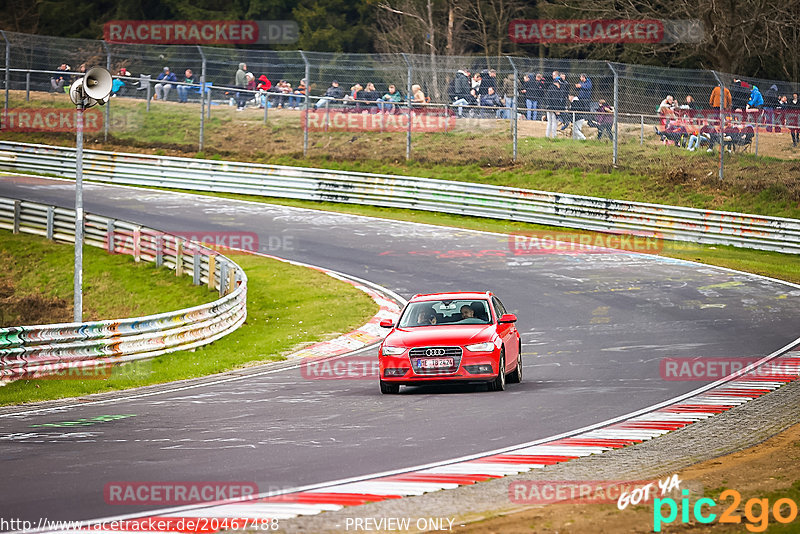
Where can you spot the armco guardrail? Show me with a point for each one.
(75, 348)
(556, 209)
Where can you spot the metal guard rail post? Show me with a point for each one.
(481, 200)
(33, 351)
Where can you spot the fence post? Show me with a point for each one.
(27, 86)
(149, 90)
(178, 257)
(202, 98)
(408, 99)
(641, 134)
(223, 277)
(50, 222)
(721, 125)
(212, 271)
(8, 73)
(15, 224)
(514, 109)
(159, 243)
(196, 267)
(308, 101)
(756, 152)
(137, 243)
(110, 236)
(108, 103)
(616, 113)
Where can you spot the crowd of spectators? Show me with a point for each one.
(562, 103)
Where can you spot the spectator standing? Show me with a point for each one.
(793, 118)
(526, 93)
(263, 86)
(770, 103)
(553, 102)
(163, 86)
(183, 90)
(603, 120)
(740, 94)
(580, 118)
(584, 87)
(461, 88)
(57, 81)
(508, 95)
(714, 99)
(754, 105)
(488, 79)
(240, 82)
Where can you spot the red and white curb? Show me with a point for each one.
(741, 387)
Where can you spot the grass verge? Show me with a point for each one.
(284, 303)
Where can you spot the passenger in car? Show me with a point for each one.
(425, 317)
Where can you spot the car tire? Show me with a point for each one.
(499, 383)
(388, 388)
(516, 375)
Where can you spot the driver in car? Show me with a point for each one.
(426, 316)
(467, 312)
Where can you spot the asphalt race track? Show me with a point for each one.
(594, 326)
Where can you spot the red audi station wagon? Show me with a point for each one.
(451, 337)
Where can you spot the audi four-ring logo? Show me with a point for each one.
(434, 352)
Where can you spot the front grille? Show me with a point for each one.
(424, 353)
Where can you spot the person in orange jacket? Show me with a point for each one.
(713, 100)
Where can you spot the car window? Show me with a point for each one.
(446, 312)
(499, 309)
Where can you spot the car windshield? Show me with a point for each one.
(446, 312)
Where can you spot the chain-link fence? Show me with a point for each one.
(444, 109)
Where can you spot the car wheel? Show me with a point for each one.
(499, 383)
(389, 388)
(516, 375)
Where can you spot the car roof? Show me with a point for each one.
(464, 295)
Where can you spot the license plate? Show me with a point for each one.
(435, 363)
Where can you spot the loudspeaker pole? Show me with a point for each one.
(78, 278)
(93, 88)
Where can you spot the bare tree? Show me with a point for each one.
(487, 24)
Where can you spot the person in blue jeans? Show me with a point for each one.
(183, 90)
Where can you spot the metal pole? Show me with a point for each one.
(27, 86)
(756, 153)
(721, 125)
(308, 102)
(514, 109)
(78, 275)
(108, 104)
(202, 98)
(266, 107)
(616, 113)
(8, 73)
(408, 98)
(641, 134)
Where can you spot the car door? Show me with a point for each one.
(508, 333)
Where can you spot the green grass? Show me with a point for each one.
(37, 277)
(285, 307)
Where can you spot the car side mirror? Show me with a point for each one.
(508, 318)
(387, 323)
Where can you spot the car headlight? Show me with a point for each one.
(488, 346)
(392, 351)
